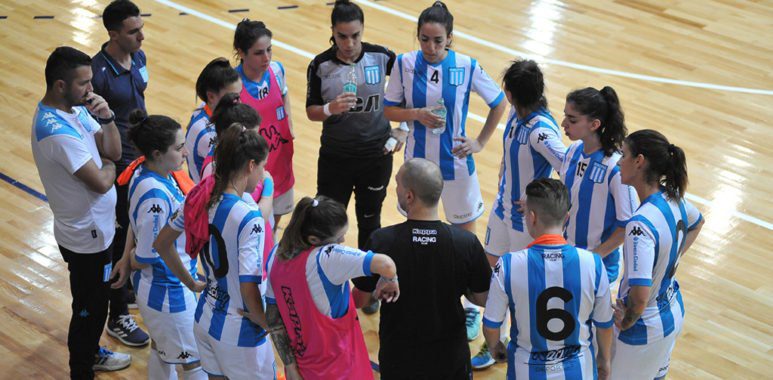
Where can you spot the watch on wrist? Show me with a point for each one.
(107, 120)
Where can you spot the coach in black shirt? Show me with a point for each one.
(423, 334)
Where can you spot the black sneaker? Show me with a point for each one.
(126, 330)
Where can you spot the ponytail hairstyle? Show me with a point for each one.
(230, 110)
(320, 216)
(524, 81)
(217, 75)
(235, 148)
(345, 11)
(247, 32)
(666, 162)
(151, 133)
(437, 13)
(604, 106)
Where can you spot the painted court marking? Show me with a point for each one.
(577, 66)
(303, 53)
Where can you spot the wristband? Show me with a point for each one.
(108, 120)
(268, 187)
(326, 109)
(393, 279)
(404, 127)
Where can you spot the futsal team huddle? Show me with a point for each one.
(141, 203)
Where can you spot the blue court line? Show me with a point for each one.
(24, 187)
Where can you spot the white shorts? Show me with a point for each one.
(461, 198)
(579, 368)
(234, 362)
(645, 362)
(501, 238)
(284, 204)
(172, 332)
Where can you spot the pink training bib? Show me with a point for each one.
(325, 348)
(275, 128)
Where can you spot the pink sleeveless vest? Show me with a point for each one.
(275, 128)
(324, 348)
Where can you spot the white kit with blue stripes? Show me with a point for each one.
(553, 293)
(654, 242)
(232, 256)
(416, 83)
(153, 200)
(199, 139)
(532, 149)
(600, 202)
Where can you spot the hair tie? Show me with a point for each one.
(671, 149)
(314, 203)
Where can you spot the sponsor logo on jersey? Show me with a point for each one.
(256, 229)
(424, 236)
(155, 209)
(372, 75)
(273, 137)
(299, 347)
(456, 76)
(557, 356)
(636, 231)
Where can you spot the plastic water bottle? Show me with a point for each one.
(441, 111)
(350, 82)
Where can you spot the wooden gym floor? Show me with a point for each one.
(694, 70)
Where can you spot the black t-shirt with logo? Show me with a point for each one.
(423, 334)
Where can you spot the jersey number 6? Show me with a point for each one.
(544, 315)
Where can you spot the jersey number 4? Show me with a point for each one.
(544, 315)
(435, 78)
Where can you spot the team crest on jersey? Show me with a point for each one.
(522, 134)
(280, 112)
(372, 75)
(597, 172)
(455, 76)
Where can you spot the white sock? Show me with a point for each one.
(158, 370)
(195, 374)
(469, 305)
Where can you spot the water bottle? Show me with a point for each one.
(350, 82)
(441, 111)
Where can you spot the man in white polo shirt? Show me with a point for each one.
(73, 129)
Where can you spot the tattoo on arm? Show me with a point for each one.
(279, 335)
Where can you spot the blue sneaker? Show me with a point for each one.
(483, 358)
(473, 323)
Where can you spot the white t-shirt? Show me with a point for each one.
(84, 221)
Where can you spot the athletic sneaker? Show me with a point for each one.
(473, 322)
(106, 360)
(483, 358)
(126, 330)
(372, 308)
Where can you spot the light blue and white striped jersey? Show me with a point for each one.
(153, 200)
(532, 149)
(600, 202)
(328, 271)
(415, 83)
(654, 242)
(199, 139)
(553, 293)
(233, 256)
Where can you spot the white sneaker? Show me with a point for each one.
(106, 360)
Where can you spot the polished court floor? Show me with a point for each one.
(695, 70)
